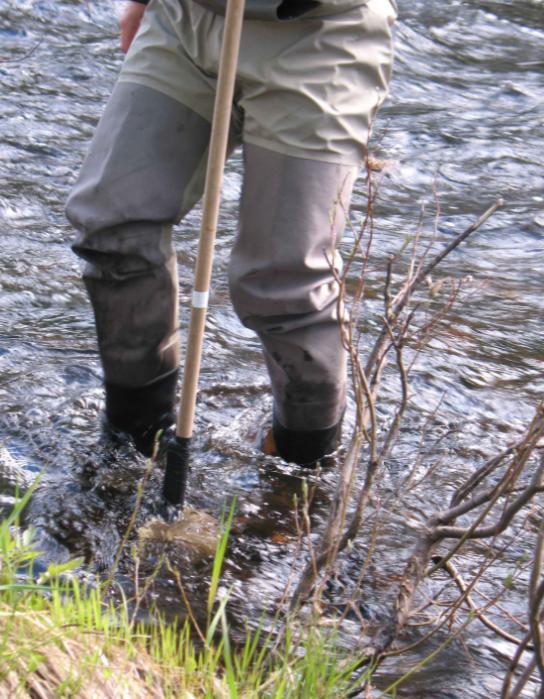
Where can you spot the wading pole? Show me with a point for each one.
(177, 455)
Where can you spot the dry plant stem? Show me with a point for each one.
(136, 578)
(505, 613)
(512, 473)
(416, 567)
(376, 659)
(187, 603)
(329, 542)
(364, 568)
(26, 55)
(387, 287)
(141, 593)
(406, 292)
(430, 243)
(524, 499)
(308, 533)
(455, 575)
(424, 334)
(455, 243)
(352, 257)
(456, 606)
(481, 474)
(455, 634)
(296, 553)
(505, 693)
(409, 481)
(133, 516)
(525, 677)
(499, 527)
(535, 616)
(339, 531)
(469, 505)
(490, 603)
(415, 243)
(536, 593)
(366, 411)
(395, 425)
(373, 461)
(473, 532)
(457, 507)
(333, 541)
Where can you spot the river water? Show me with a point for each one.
(465, 117)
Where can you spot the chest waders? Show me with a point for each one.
(305, 94)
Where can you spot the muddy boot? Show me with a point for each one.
(142, 411)
(307, 448)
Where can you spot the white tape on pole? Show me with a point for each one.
(200, 299)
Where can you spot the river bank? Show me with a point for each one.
(64, 636)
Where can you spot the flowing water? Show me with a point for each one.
(465, 118)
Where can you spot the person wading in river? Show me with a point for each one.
(311, 76)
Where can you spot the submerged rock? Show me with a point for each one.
(195, 531)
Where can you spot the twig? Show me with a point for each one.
(536, 596)
(406, 293)
(26, 55)
(450, 568)
(525, 677)
(460, 238)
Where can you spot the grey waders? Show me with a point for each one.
(307, 91)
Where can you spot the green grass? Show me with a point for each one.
(60, 638)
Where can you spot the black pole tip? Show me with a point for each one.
(176, 472)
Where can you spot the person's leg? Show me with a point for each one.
(144, 171)
(283, 286)
(127, 197)
(311, 89)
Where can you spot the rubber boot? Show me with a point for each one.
(142, 411)
(303, 447)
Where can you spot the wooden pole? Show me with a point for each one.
(212, 192)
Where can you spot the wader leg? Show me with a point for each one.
(293, 213)
(144, 170)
